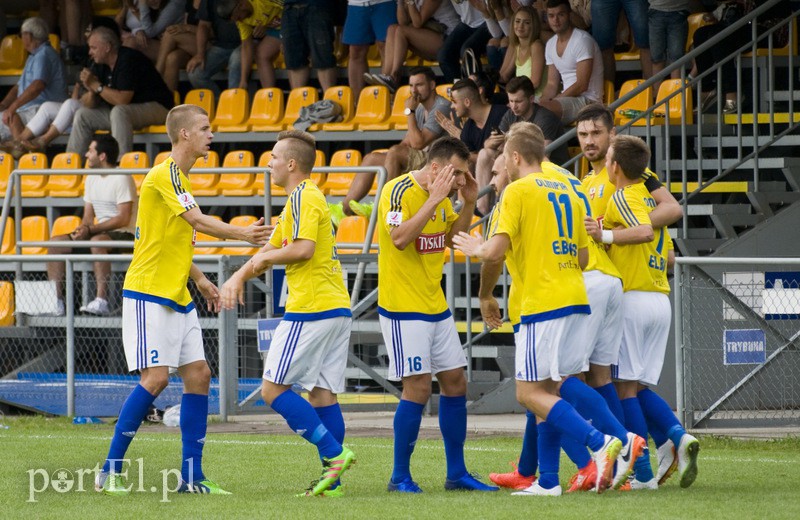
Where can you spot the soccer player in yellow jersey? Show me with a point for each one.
(595, 129)
(310, 345)
(541, 228)
(416, 221)
(160, 329)
(645, 308)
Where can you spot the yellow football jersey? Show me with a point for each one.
(409, 281)
(643, 266)
(164, 241)
(514, 291)
(543, 218)
(264, 12)
(316, 287)
(599, 189)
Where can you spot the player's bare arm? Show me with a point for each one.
(438, 190)
(256, 233)
(583, 257)
(490, 309)
(620, 236)
(206, 288)
(668, 210)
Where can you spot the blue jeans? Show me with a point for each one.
(668, 33)
(216, 60)
(463, 37)
(605, 14)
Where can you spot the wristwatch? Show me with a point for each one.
(408, 111)
(99, 89)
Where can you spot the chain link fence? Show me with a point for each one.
(737, 336)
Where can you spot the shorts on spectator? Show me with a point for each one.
(416, 159)
(307, 31)
(570, 106)
(668, 33)
(367, 24)
(25, 114)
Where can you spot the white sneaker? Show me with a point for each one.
(98, 306)
(536, 490)
(667, 461)
(687, 460)
(637, 485)
(633, 449)
(604, 459)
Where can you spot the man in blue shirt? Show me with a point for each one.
(42, 80)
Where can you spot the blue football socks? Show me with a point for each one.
(303, 419)
(567, 421)
(634, 421)
(549, 453)
(331, 417)
(407, 419)
(609, 393)
(657, 411)
(194, 423)
(453, 424)
(591, 405)
(529, 456)
(130, 417)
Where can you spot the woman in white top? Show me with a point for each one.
(525, 55)
(422, 26)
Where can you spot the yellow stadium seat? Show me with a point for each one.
(298, 98)
(6, 165)
(339, 183)
(344, 97)
(9, 238)
(202, 97)
(233, 109)
(675, 104)
(36, 229)
(205, 184)
(353, 230)
(695, 21)
(65, 225)
(641, 102)
(6, 304)
(202, 237)
(55, 42)
(608, 92)
(242, 221)
(267, 109)
(397, 120)
(135, 160)
(374, 56)
(373, 107)
(33, 185)
(105, 7)
(632, 54)
(66, 185)
(161, 157)
(444, 90)
(12, 55)
(778, 51)
(238, 184)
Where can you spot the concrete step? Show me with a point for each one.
(717, 209)
(765, 163)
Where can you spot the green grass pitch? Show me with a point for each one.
(737, 479)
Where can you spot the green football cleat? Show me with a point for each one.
(203, 487)
(337, 213)
(337, 492)
(333, 469)
(111, 484)
(362, 209)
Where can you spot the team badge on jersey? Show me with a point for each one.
(186, 200)
(394, 218)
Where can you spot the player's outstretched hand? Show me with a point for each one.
(468, 244)
(593, 229)
(490, 311)
(469, 192)
(210, 293)
(442, 185)
(232, 292)
(257, 233)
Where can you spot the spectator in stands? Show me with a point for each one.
(481, 117)
(499, 24)
(307, 32)
(73, 16)
(471, 33)
(257, 21)
(605, 14)
(668, 28)
(218, 42)
(178, 45)
(367, 23)
(154, 17)
(525, 56)
(42, 80)
(422, 26)
(574, 59)
(487, 87)
(125, 92)
(522, 106)
(109, 213)
(410, 154)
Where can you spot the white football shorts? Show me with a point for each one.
(155, 335)
(646, 317)
(602, 332)
(421, 347)
(550, 349)
(310, 353)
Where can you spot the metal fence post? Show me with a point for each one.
(70, 298)
(679, 395)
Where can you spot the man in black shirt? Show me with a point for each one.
(125, 92)
(224, 50)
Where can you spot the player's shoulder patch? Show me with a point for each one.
(394, 218)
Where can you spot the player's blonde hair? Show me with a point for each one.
(300, 146)
(631, 154)
(182, 116)
(527, 140)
